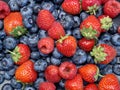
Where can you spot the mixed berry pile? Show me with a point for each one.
(59, 45)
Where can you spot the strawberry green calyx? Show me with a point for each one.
(15, 54)
(97, 74)
(98, 54)
(62, 38)
(89, 33)
(106, 23)
(92, 9)
(18, 31)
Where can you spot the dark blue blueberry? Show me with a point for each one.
(26, 11)
(118, 50)
(90, 59)
(62, 14)
(55, 13)
(15, 84)
(57, 1)
(7, 86)
(1, 56)
(41, 74)
(76, 21)
(36, 8)
(116, 69)
(24, 39)
(48, 6)
(31, 3)
(62, 83)
(68, 32)
(48, 60)
(107, 70)
(114, 61)
(113, 29)
(9, 43)
(1, 24)
(7, 76)
(38, 81)
(29, 88)
(56, 54)
(1, 78)
(43, 55)
(13, 5)
(42, 33)
(33, 40)
(34, 29)
(2, 34)
(55, 61)
(7, 63)
(99, 11)
(1, 45)
(118, 60)
(115, 39)
(28, 21)
(40, 65)
(101, 66)
(79, 57)
(83, 15)
(35, 55)
(105, 38)
(22, 3)
(76, 33)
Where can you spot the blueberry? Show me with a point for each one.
(118, 50)
(34, 29)
(7, 86)
(90, 59)
(48, 59)
(107, 69)
(41, 74)
(7, 76)
(79, 57)
(76, 21)
(2, 56)
(2, 34)
(22, 3)
(68, 32)
(99, 11)
(56, 54)
(24, 39)
(118, 60)
(31, 3)
(83, 15)
(105, 38)
(38, 81)
(55, 61)
(29, 88)
(40, 65)
(15, 84)
(62, 14)
(1, 78)
(35, 55)
(62, 83)
(9, 43)
(115, 39)
(42, 33)
(11, 72)
(13, 5)
(36, 8)
(101, 66)
(116, 69)
(48, 6)
(26, 11)
(76, 33)
(113, 29)
(28, 21)
(57, 1)
(114, 61)
(55, 13)
(43, 55)
(1, 24)
(1, 46)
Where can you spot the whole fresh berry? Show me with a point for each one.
(91, 87)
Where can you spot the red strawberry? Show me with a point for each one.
(20, 54)
(91, 6)
(56, 31)
(103, 53)
(91, 87)
(86, 44)
(47, 86)
(45, 19)
(106, 22)
(112, 8)
(89, 72)
(67, 70)
(104, 1)
(90, 27)
(109, 82)
(74, 84)
(71, 6)
(4, 9)
(26, 73)
(46, 45)
(67, 45)
(52, 74)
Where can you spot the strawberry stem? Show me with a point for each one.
(62, 38)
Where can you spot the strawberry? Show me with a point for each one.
(89, 72)
(71, 6)
(90, 27)
(106, 22)
(46, 45)
(45, 19)
(4, 9)
(104, 1)
(25, 73)
(67, 45)
(103, 53)
(91, 87)
(20, 54)
(13, 24)
(74, 84)
(56, 31)
(90, 6)
(112, 8)
(109, 82)
(86, 44)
